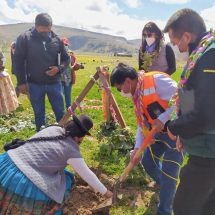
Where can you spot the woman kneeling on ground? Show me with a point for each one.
(33, 179)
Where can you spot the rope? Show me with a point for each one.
(107, 89)
(71, 111)
(79, 105)
(113, 113)
(165, 160)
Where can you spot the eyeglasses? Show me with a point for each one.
(147, 35)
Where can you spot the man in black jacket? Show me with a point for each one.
(40, 57)
(195, 125)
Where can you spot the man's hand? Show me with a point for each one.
(77, 66)
(179, 145)
(157, 125)
(53, 70)
(134, 160)
(23, 88)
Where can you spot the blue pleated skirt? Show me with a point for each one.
(18, 195)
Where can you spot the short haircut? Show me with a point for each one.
(43, 19)
(185, 20)
(121, 72)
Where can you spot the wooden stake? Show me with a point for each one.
(80, 98)
(111, 98)
(104, 79)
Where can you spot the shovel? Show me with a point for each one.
(147, 141)
(112, 201)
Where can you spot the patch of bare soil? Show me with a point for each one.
(83, 200)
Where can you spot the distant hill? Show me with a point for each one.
(81, 40)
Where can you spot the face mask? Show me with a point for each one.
(150, 40)
(45, 35)
(3, 61)
(128, 95)
(2, 64)
(180, 56)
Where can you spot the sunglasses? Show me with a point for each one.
(148, 35)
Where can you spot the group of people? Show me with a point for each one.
(33, 179)
(182, 116)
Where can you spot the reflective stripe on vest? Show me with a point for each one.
(150, 95)
(149, 91)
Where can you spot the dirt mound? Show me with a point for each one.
(83, 200)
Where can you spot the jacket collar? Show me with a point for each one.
(192, 46)
(35, 33)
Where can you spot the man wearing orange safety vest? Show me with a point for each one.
(151, 93)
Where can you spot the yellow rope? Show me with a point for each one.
(164, 160)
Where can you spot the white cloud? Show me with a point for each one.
(103, 16)
(133, 3)
(172, 1)
(209, 17)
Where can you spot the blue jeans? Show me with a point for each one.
(67, 90)
(37, 98)
(167, 185)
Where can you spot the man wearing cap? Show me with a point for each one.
(40, 57)
(32, 175)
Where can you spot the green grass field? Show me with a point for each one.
(20, 124)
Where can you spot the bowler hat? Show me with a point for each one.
(84, 123)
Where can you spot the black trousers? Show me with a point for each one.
(196, 192)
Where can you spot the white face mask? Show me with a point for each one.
(4, 61)
(150, 40)
(180, 56)
(128, 95)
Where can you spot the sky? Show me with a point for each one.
(124, 18)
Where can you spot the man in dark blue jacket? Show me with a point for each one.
(195, 125)
(40, 57)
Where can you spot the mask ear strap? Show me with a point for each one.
(130, 87)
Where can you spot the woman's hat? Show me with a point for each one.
(84, 123)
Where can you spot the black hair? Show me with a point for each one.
(71, 129)
(151, 27)
(121, 72)
(17, 142)
(185, 20)
(43, 19)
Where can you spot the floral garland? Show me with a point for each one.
(195, 56)
(205, 42)
(137, 101)
(148, 58)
